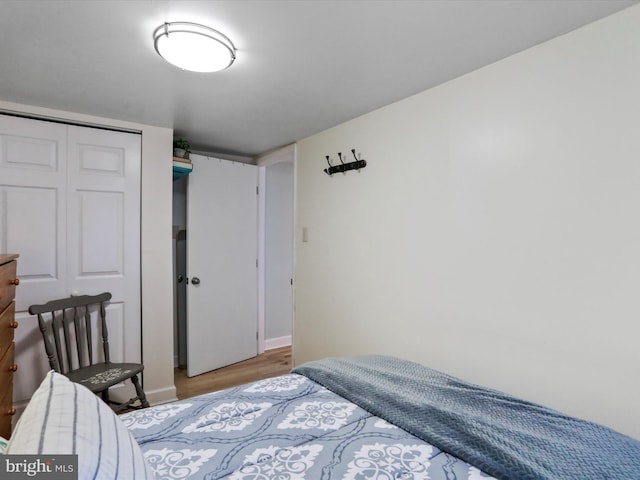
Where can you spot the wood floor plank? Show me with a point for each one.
(269, 364)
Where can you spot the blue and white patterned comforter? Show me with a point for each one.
(287, 427)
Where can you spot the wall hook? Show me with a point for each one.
(342, 162)
(353, 150)
(326, 170)
(345, 167)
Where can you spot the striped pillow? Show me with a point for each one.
(63, 417)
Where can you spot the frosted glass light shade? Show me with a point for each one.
(194, 47)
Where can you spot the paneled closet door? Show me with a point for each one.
(70, 206)
(103, 229)
(33, 179)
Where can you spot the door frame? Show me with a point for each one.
(284, 154)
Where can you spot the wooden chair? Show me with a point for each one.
(68, 340)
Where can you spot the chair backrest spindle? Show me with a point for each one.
(105, 333)
(75, 319)
(56, 328)
(87, 327)
(52, 355)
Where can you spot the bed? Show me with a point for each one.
(369, 417)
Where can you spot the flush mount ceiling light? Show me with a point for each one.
(194, 47)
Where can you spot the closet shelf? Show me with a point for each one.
(181, 167)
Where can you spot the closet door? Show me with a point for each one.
(70, 206)
(33, 179)
(103, 229)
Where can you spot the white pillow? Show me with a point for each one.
(63, 417)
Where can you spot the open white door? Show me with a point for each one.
(222, 248)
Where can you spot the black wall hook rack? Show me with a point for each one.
(345, 167)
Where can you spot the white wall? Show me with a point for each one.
(494, 234)
(157, 268)
(157, 298)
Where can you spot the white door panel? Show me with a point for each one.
(104, 183)
(101, 233)
(32, 206)
(38, 148)
(32, 215)
(222, 245)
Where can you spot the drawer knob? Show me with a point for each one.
(13, 368)
(15, 281)
(13, 324)
(11, 411)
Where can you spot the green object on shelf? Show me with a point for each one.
(181, 170)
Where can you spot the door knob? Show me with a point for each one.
(180, 278)
(195, 281)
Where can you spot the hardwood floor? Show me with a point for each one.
(269, 364)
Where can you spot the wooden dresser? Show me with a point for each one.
(8, 324)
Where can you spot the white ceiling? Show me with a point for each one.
(302, 66)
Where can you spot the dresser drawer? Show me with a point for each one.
(7, 326)
(7, 368)
(6, 417)
(6, 391)
(8, 282)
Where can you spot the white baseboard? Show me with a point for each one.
(279, 342)
(162, 395)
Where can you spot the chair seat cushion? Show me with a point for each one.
(102, 376)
